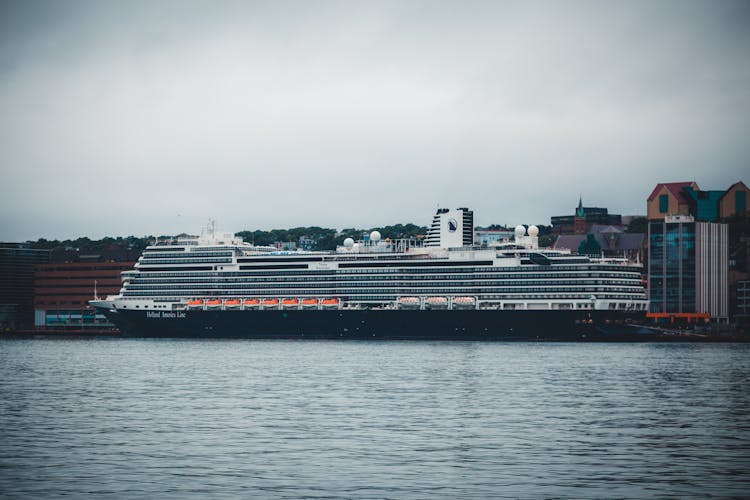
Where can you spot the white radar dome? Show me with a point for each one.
(533, 231)
(520, 230)
(375, 236)
(348, 243)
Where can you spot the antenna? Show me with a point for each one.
(96, 297)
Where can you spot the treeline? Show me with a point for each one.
(119, 249)
(129, 248)
(326, 238)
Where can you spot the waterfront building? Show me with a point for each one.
(308, 244)
(669, 198)
(62, 293)
(741, 296)
(687, 269)
(17, 263)
(686, 198)
(706, 231)
(734, 201)
(582, 220)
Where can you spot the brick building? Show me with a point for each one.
(62, 292)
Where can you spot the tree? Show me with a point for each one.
(589, 246)
(637, 225)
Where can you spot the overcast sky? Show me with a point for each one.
(121, 118)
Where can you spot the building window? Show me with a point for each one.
(740, 200)
(663, 203)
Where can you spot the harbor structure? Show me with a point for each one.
(62, 292)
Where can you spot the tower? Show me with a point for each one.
(579, 221)
(451, 228)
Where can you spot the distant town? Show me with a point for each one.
(693, 245)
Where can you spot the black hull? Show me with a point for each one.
(385, 325)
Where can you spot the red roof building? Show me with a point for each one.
(669, 199)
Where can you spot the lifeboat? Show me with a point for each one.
(436, 302)
(464, 302)
(330, 303)
(232, 303)
(408, 302)
(309, 303)
(195, 304)
(213, 303)
(251, 303)
(270, 302)
(290, 303)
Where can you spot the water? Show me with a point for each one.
(182, 419)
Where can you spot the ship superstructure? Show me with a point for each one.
(218, 273)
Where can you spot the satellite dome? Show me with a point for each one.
(348, 243)
(520, 230)
(355, 246)
(533, 231)
(375, 236)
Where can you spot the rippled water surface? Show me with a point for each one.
(180, 419)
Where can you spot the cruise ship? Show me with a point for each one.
(444, 287)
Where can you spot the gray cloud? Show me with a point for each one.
(115, 117)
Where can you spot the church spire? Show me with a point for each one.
(579, 210)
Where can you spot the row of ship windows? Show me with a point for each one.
(373, 281)
(351, 295)
(185, 255)
(400, 290)
(192, 249)
(524, 284)
(208, 260)
(306, 276)
(397, 270)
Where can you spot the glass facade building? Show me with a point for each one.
(687, 267)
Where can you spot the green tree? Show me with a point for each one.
(589, 246)
(637, 225)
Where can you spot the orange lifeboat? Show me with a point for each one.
(290, 303)
(464, 302)
(330, 303)
(232, 303)
(309, 303)
(408, 302)
(252, 303)
(196, 303)
(436, 302)
(270, 302)
(213, 303)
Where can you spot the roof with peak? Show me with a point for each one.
(740, 183)
(675, 188)
(601, 228)
(623, 241)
